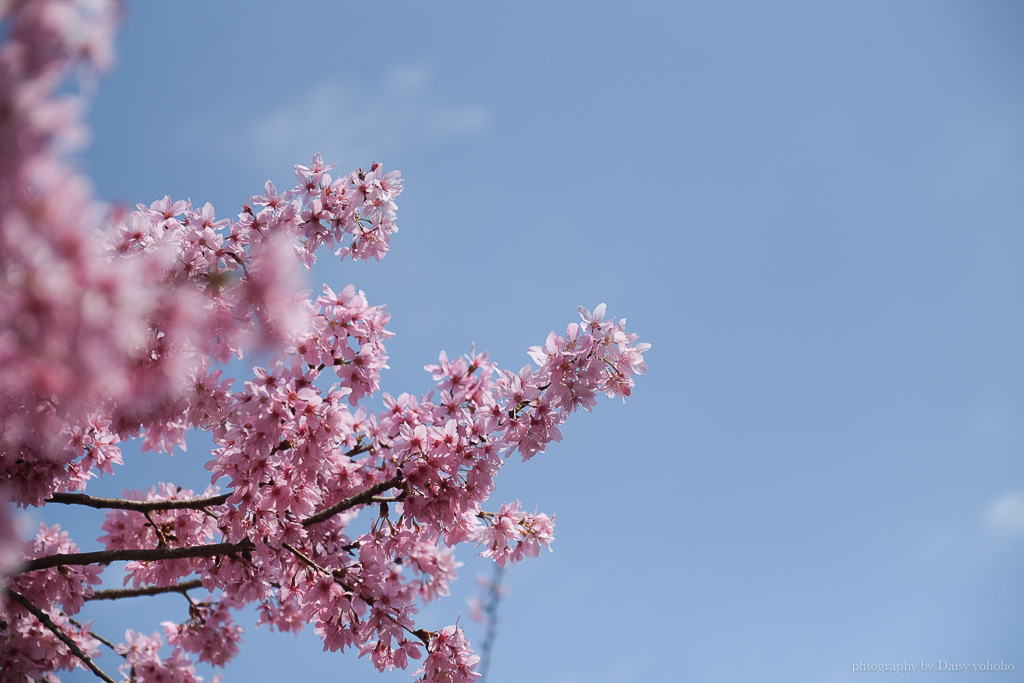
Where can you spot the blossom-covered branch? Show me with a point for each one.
(68, 642)
(134, 555)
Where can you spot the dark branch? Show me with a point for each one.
(134, 554)
(159, 554)
(137, 505)
(360, 498)
(361, 448)
(118, 593)
(57, 631)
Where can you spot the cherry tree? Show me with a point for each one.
(329, 506)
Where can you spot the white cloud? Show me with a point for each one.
(447, 121)
(411, 78)
(355, 125)
(1005, 515)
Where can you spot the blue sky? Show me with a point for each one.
(811, 210)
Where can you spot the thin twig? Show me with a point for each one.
(305, 559)
(159, 534)
(494, 591)
(57, 631)
(118, 593)
(92, 634)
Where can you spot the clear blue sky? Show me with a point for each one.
(812, 210)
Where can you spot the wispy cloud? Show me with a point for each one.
(355, 124)
(982, 536)
(1005, 515)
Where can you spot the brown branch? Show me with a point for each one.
(118, 593)
(57, 631)
(350, 502)
(137, 505)
(388, 499)
(134, 554)
(361, 448)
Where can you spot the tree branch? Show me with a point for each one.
(388, 499)
(134, 554)
(118, 593)
(137, 505)
(57, 631)
(159, 554)
(358, 499)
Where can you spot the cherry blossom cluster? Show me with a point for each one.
(210, 633)
(143, 662)
(301, 460)
(322, 509)
(63, 311)
(450, 658)
(511, 534)
(28, 649)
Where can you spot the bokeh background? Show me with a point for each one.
(812, 210)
